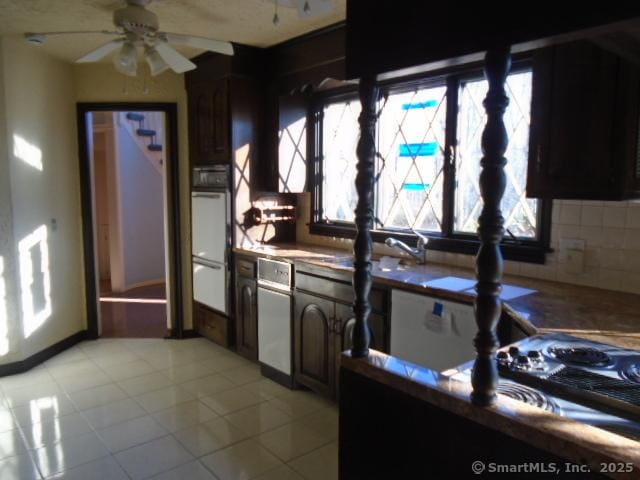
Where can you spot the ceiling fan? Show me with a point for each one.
(138, 28)
(307, 9)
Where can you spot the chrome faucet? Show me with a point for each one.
(419, 253)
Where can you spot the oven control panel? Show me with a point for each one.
(275, 274)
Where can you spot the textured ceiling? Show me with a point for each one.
(243, 21)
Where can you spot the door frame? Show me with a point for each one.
(172, 186)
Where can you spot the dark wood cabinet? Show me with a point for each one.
(343, 334)
(211, 324)
(225, 96)
(314, 364)
(246, 318)
(209, 122)
(584, 124)
(323, 330)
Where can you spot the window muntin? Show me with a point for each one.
(520, 213)
(527, 219)
(340, 132)
(410, 167)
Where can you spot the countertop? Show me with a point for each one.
(601, 315)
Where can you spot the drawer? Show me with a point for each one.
(341, 292)
(246, 268)
(211, 325)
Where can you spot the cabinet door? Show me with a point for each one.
(572, 121)
(343, 336)
(314, 360)
(246, 318)
(209, 123)
(344, 323)
(220, 122)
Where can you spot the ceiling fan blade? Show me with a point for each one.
(178, 62)
(101, 52)
(203, 43)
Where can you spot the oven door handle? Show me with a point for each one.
(206, 263)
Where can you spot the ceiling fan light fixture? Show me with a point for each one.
(156, 64)
(126, 61)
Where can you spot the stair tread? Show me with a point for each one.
(145, 132)
(154, 147)
(136, 117)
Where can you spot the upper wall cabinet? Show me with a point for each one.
(209, 122)
(225, 101)
(584, 125)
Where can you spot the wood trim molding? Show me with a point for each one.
(43, 355)
(174, 279)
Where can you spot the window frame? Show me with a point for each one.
(524, 250)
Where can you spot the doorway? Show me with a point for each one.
(129, 177)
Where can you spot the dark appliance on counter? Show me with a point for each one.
(590, 382)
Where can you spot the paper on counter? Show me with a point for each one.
(454, 284)
(509, 292)
(389, 263)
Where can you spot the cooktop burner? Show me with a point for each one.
(631, 372)
(584, 356)
(528, 395)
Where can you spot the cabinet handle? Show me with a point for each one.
(337, 326)
(205, 195)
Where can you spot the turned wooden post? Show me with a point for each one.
(363, 247)
(487, 306)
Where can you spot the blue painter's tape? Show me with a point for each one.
(418, 149)
(427, 104)
(416, 186)
(438, 309)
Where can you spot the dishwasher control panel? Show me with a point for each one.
(275, 274)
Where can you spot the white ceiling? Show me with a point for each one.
(243, 21)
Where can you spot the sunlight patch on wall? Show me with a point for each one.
(4, 328)
(35, 281)
(27, 152)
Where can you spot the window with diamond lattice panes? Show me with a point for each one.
(340, 132)
(411, 139)
(519, 212)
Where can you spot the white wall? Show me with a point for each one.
(40, 151)
(141, 199)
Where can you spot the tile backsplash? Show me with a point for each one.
(595, 244)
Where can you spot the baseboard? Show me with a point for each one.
(43, 355)
(277, 376)
(185, 334)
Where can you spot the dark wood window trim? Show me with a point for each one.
(531, 251)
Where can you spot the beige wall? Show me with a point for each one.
(610, 231)
(102, 83)
(39, 115)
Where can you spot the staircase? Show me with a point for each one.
(146, 128)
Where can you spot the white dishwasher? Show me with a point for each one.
(274, 319)
(427, 331)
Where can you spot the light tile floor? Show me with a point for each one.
(116, 409)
